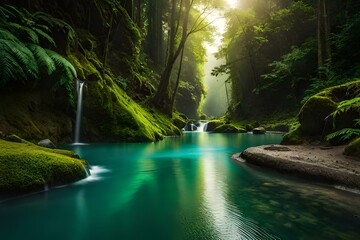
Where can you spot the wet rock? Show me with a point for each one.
(259, 130)
(46, 143)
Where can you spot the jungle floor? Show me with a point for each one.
(324, 164)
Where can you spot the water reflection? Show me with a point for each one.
(182, 188)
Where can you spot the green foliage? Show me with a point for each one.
(293, 68)
(122, 82)
(345, 134)
(345, 106)
(294, 137)
(23, 58)
(267, 55)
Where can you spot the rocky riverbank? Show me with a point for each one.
(325, 164)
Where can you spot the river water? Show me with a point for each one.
(182, 188)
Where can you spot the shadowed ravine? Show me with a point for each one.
(181, 188)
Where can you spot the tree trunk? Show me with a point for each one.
(106, 45)
(177, 79)
(162, 98)
(323, 33)
(155, 33)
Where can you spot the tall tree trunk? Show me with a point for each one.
(155, 32)
(323, 33)
(177, 79)
(162, 98)
(106, 45)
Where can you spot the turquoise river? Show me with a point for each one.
(181, 188)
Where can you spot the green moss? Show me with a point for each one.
(111, 115)
(313, 114)
(294, 137)
(26, 167)
(214, 124)
(35, 115)
(179, 120)
(228, 128)
(353, 148)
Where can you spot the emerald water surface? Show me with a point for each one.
(181, 188)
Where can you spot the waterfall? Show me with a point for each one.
(79, 87)
(202, 126)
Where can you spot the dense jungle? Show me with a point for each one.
(184, 81)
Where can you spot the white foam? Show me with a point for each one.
(347, 189)
(96, 174)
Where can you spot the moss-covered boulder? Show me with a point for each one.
(353, 148)
(313, 114)
(228, 128)
(259, 130)
(25, 167)
(214, 124)
(294, 137)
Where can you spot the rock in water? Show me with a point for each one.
(46, 143)
(259, 130)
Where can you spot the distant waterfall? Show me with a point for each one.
(79, 87)
(202, 126)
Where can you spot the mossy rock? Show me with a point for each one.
(213, 124)
(259, 130)
(178, 120)
(35, 114)
(353, 148)
(25, 167)
(228, 128)
(294, 137)
(313, 114)
(110, 115)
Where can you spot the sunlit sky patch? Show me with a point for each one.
(232, 3)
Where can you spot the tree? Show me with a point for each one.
(163, 98)
(155, 32)
(323, 33)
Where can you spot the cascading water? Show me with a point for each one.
(79, 87)
(202, 126)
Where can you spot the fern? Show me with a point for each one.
(66, 71)
(43, 59)
(58, 24)
(22, 55)
(9, 68)
(343, 134)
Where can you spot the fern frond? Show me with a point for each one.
(45, 36)
(59, 24)
(344, 134)
(345, 106)
(62, 64)
(43, 59)
(357, 122)
(10, 69)
(23, 56)
(23, 32)
(7, 35)
(67, 74)
(7, 13)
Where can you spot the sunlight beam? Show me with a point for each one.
(232, 3)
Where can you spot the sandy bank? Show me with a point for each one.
(319, 163)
